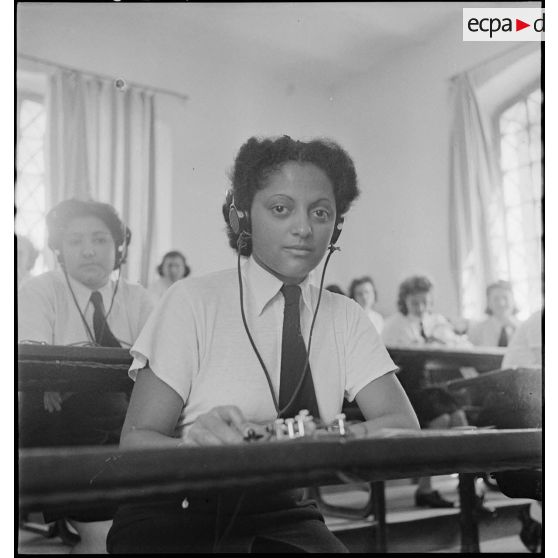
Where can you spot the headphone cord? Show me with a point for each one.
(241, 244)
(81, 315)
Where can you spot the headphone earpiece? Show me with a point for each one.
(337, 230)
(238, 219)
(122, 249)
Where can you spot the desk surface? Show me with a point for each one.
(50, 477)
(69, 368)
(481, 358)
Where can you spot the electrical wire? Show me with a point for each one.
(241, 243)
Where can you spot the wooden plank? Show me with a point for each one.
(50, 477)
(482, 359)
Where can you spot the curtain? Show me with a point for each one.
(474, 198)
(101, 146)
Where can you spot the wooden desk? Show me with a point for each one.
(103, 474)
(481, 358)
(63, 368)
(420, 367)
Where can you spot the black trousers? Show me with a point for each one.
(233, 523)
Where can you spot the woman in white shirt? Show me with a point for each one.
(416, 325)
(497, 329)
(199, 381)
(172, 268)
(364, 292)
(80, 304)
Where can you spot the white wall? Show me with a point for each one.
(394, 121)
(396, 124)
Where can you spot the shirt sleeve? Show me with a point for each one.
(36, 311)
(168, 343)
(367, 357)
(525, 348)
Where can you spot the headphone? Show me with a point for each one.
(68, 209)
(239, 220)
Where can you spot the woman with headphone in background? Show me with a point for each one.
(172, 268)
(80, 304)
(233, 349)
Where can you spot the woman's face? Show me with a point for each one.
(292, 221)
(364, 295)
(88, 250)
(500, 302)
(173, 268)
(419, 304)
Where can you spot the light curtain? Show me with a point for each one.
(101, 146)
(474, 198)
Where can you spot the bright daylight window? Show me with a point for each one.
(516, 240)
(30, 195)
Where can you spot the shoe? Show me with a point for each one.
(482, 509)
(531, 531)
(490, 483)
(432, 500)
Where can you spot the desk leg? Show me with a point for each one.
(379, 498)
(467, 516)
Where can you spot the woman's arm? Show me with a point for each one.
(384, 404)
(154, 412)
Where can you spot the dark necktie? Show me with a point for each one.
(103, 334)
(503, 339)
(422, 333)
(293, 358)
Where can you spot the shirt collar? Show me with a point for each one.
(264, 286)
(83, 293)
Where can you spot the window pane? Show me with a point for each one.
(517, 251)
(30, 198)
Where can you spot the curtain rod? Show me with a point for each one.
(491, 59)
(104, 76)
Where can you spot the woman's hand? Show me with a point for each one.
(221, 425)
(52, 401)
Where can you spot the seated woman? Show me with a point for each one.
(364, 292)
(172, 268)
(415, 325)
(80, 304)
(26, 257)
(205, 369)
(500, 324)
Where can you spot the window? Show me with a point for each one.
(516, 236)
(30, 193)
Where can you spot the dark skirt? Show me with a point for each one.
(432, 402)
(232, 523)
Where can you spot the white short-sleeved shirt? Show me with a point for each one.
(196, 343)
(47, 311)
(487, 332)
(525, 348)
(401, 331)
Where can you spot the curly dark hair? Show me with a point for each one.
(359, 281)
(412, 285)
(258, 158)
